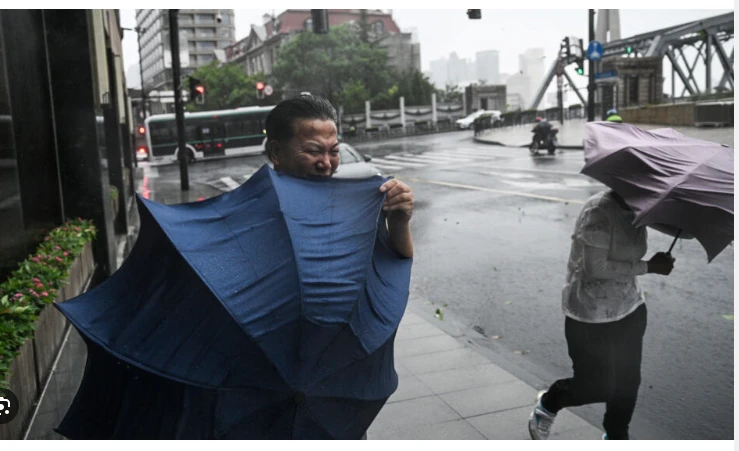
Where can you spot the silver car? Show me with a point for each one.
(352, 165)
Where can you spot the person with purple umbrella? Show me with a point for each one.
(605, 317)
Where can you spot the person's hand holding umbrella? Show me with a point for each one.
(661, 263)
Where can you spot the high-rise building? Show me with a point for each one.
(488, 66)
(438, 69)
(520, 84)
(202, 31)
(531, 64)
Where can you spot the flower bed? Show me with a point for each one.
(31, 330)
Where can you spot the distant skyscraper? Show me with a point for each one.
(438, 70)
(521, 85)
(608, 27)
(531, 64)
(488, 66)
(457, 69)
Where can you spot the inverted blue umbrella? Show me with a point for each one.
(268, 312)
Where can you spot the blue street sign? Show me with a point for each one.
(595, 50)
(601, 75)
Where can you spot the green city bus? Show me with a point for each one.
(208, 133)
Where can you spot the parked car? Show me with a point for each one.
(352, 165)
(466, 123)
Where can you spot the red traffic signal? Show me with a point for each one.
(200, 89)
(260, 85)
(142, 130)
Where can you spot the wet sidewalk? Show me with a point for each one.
(571, 134)
(450, 391)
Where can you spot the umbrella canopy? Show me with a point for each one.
(670, 180)
(266, 312)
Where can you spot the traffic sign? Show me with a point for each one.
(595, 50)
(268, 90)
(602, 75)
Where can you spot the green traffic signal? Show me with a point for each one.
(580, 71)
(628, 50)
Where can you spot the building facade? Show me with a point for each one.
(65, 130)
(258, 51)
(485, 97)
(531, 64)
(202, 32)
(488, 66)
(520, 84)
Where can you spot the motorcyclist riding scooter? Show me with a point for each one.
(544, 137)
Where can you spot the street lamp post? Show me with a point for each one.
(174, 44)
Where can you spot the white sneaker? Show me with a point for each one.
(540, 420)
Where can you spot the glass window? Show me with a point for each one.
(308, 24)
(379, 27)
(224, 33)
(205, 18)
(206, 45)
(206, 32)
(206, 58)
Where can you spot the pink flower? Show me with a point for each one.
(39, 285)
(36, 279)
(66, 253)
(47, 238)
(43, 293)
(36, 259)
(18, 295)
(57, 248)
(59, 259)
(35, 294)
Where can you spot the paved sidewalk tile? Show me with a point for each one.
(399, 416)
(442, 361)
(419, 330)
(426, 345)
(493, 398)
(464, 378)
(450, 430)
(409, 387)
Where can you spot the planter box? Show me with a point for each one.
(32, 367)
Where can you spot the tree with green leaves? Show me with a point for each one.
(450, 94)
(332, 65)
(228, 86)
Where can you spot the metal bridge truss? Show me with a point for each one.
(706, 37)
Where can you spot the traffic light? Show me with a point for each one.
(142, 130)
(320, 20)
(197, 90)
(629, 49)
(566, 46)
(260, 90)
(474, 13)
(579, 60)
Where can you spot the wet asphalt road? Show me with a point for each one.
(491, 232)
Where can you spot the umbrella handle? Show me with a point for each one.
(675, 240)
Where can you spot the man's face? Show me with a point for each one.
(313, 151)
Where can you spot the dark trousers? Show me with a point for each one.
(606, 361)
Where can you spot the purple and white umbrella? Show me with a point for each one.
(670, 180)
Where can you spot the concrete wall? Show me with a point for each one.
(680, 114)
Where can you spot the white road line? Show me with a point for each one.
(412, 163)
(387, 167)
(498, 191)
(231, 183)
(434, 159)
(461, 154)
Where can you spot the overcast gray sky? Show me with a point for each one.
(442, 31)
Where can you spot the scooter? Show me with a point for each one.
(549, 142)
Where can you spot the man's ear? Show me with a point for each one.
(273, 152)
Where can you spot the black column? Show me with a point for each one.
(115, 148)
(33, 128)
(83, 160)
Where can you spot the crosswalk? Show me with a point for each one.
(392, 164)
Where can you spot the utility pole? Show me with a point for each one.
(591, 68)
(174, 44)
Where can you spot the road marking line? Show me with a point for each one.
(452, 153)
(497, 191)
(542, 171)
(387, 167)
(231, 183)
(393, 161)
(433, 159)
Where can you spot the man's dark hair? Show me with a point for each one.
(280, 123)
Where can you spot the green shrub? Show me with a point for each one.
(35, 284)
